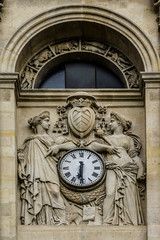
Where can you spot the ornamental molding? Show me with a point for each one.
(33, 70)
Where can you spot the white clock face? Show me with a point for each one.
(81, 168)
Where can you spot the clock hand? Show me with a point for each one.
(80, 174)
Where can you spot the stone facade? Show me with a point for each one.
(97, 29)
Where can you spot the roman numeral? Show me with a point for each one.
(81, 154)
(73, 156)
(73, 179)
(94, 174)
(68, 174)
(89, 179)
(95, 161)
(65, 168)
(89, 156)
(96, 168)
(67, 161)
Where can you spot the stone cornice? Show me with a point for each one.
(150, 76)
(151, 79)
(4, 77)
(8, 80)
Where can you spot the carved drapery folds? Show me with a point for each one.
(36, 63)
(83, 127)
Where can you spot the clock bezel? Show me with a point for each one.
(86, 187)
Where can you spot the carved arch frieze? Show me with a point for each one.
(35, 65)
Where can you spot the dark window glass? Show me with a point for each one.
(81, 75)
(107, 79)
(55, 80)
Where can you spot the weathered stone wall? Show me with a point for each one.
(16, 13)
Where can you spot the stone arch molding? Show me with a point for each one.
(17, 47)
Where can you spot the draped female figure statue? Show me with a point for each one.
(122, 202)
(40, 190)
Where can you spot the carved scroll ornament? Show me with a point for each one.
(79, 178)
(36, 63)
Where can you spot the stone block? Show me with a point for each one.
(154, 231)
(8, 149)
(154, 141)
(7, 99)
(8, 182)
(81, 232)
(31, 234)
(155, 95)
(8, 238)
(153, 216)
(6, 209)
(153, 197)
(153, 161)
(5, 226)
(5, 95)
(5, 141)
(8, 166)
(7, 120)
(4, 193)
(153, 180)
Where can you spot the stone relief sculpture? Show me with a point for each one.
(97, 162)
(36, 63)
(41, 58)
(66, 46)
(94, 46)
(133, 79)
(27, 78)
(40, 192)
(122, 202)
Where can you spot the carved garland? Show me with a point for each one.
(36, 63)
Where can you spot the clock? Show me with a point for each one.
(81, 169)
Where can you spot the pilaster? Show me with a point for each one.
(152, 108)
(8, 179)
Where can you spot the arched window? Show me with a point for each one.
(81, 75)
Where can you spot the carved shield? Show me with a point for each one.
(81, 120)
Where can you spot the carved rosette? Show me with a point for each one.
(36, 63)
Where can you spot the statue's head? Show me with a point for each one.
(120, 121)
(39, 120)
